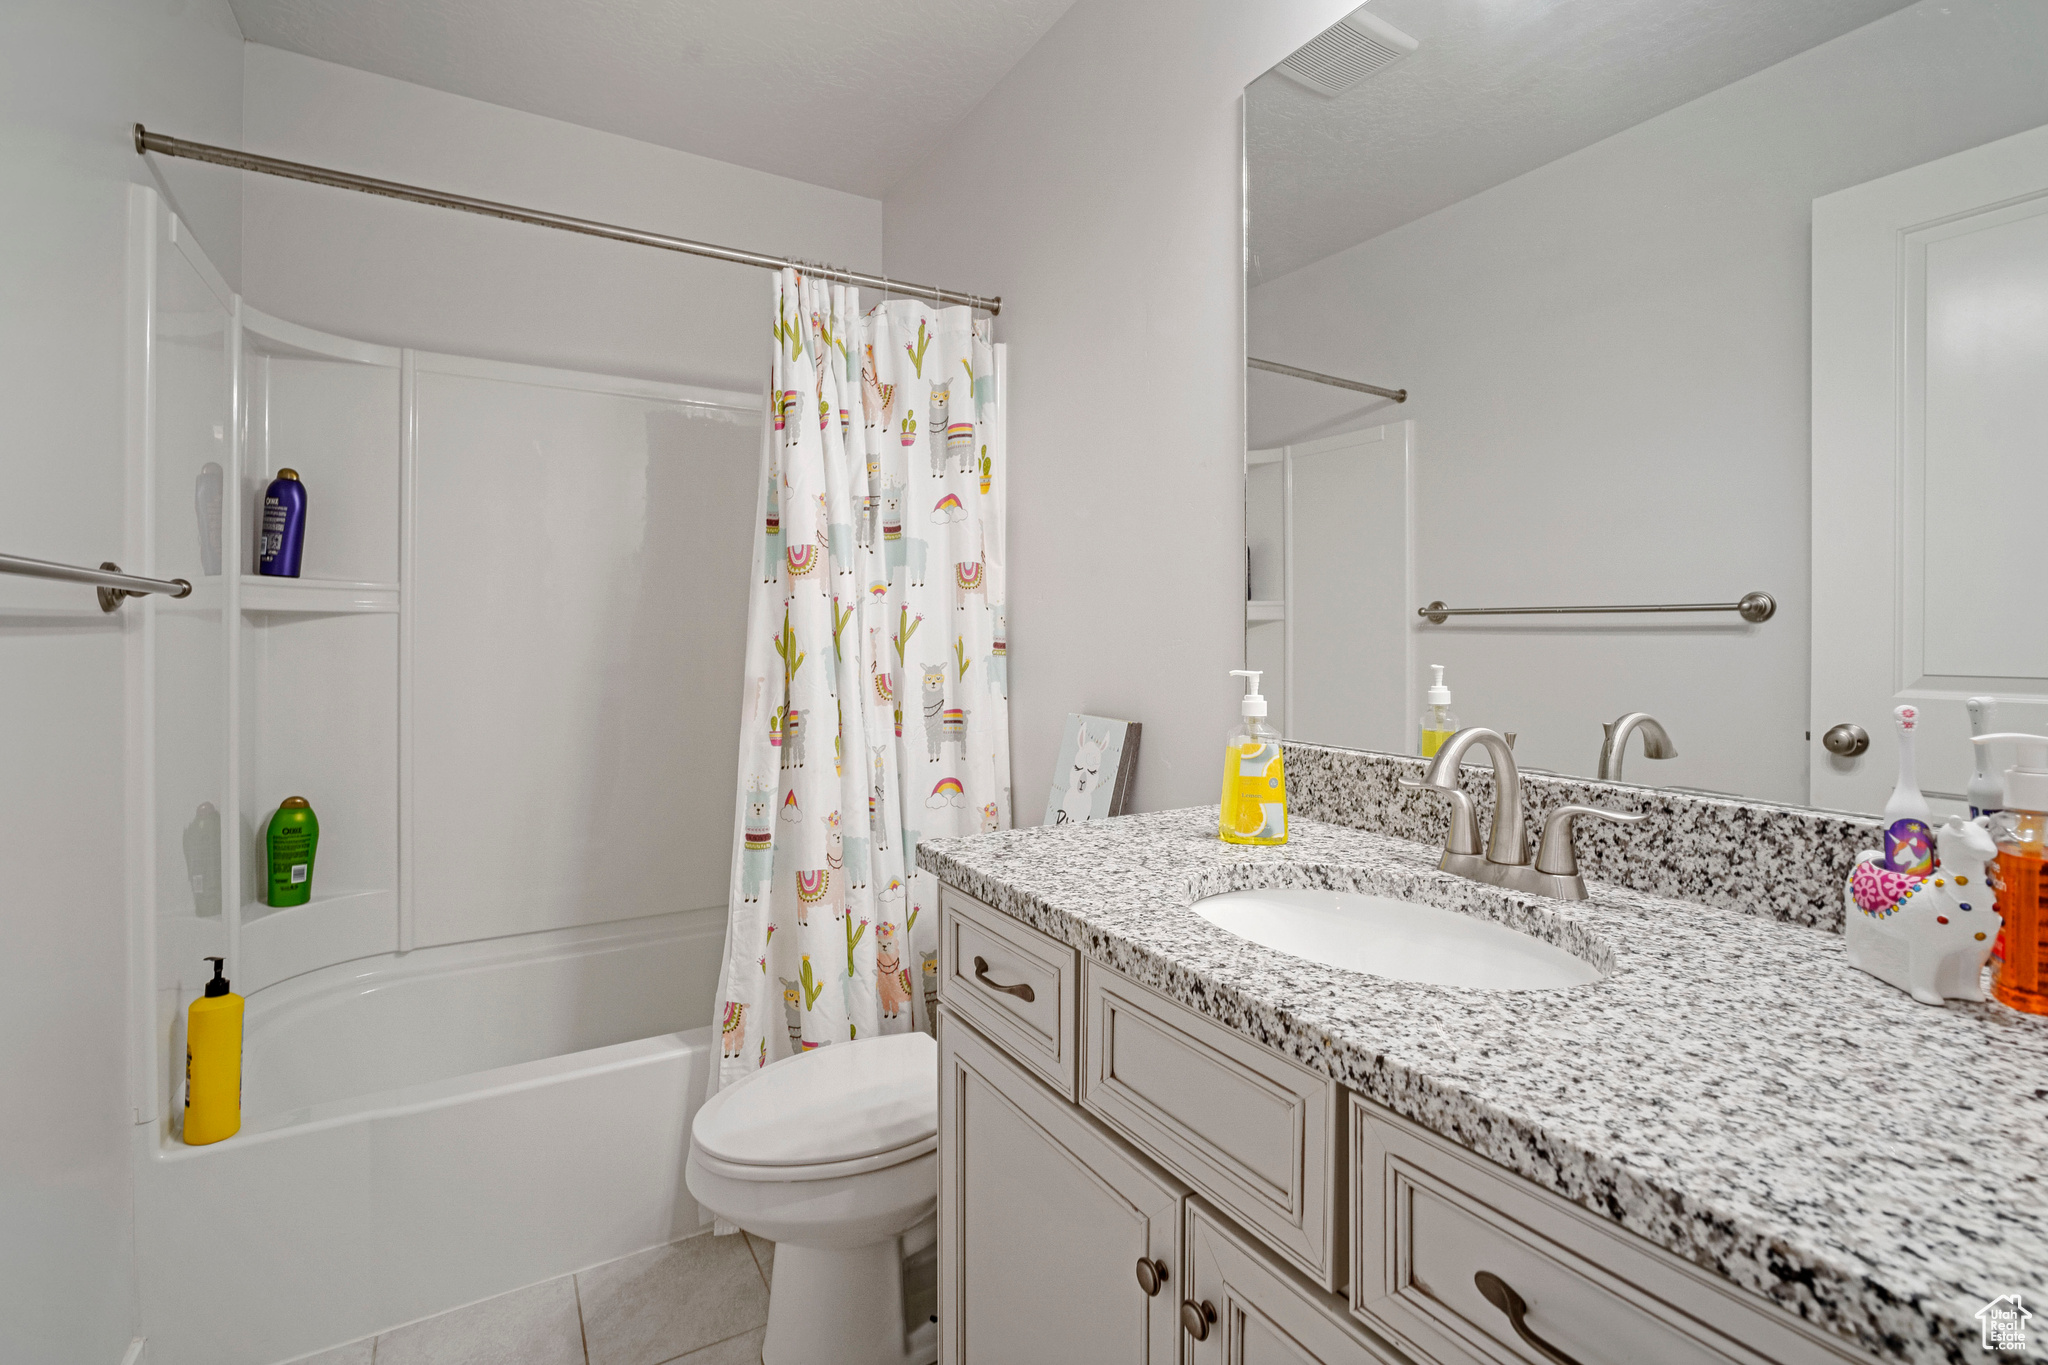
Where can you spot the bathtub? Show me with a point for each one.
(426, 1130)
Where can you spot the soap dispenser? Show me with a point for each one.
(1985, 792)
(2019, 967)
(1254, 782)
(1438, 721)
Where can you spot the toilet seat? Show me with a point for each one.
(822, 1170)
(838, 1111)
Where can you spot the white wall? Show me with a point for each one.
(74, 75)
(1608, 363)
(406, 274)
(1097, 190)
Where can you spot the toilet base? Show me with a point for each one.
(849, 1297)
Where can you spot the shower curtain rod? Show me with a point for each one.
(1275, 367)
(146, 141)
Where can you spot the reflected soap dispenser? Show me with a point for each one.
(1439, 722)
(213, 1062)
(1985, 792)
(1254, 779)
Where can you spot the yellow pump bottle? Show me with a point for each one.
(1254, 779)
(213, 1062)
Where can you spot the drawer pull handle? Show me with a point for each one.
(1196, 1317)
(1501, 1296)
(1022, 990)
(1151, 1275)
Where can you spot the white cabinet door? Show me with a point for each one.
(1252, 1311)
(1930, 359)
(1044, 1220)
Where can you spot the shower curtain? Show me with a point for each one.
(876, 706)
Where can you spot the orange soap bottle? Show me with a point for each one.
(2019, 966)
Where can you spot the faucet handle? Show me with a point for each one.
(1556, 854)
(1464, 836)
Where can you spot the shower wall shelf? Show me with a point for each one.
(1274, 610)
(317, 596)
(253, 688)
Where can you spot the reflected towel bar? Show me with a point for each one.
(114, 586)
(1275, 367)
(1754, 607)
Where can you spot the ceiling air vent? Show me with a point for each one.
(1345, 53)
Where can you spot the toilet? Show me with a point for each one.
(833, 1156)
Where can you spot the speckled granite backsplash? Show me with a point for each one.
(1785, 862)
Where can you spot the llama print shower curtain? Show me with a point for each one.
(876, 692)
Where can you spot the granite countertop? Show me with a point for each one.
(1731, 1090)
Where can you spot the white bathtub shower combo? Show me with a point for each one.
(472, 1060)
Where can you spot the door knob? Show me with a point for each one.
(1845, 740)
(1195, 1318)
(1151, 1275)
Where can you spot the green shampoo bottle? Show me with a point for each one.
(294, 838)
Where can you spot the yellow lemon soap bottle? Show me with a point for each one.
(213, 1062)
(1254, 783)
(1439, 723)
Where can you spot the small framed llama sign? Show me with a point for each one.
(1092, 777)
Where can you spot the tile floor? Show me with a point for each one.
(700, 1301)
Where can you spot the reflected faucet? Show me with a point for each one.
(1505, 862)
(1656, 743)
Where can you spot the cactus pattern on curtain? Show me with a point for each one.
(876, 706)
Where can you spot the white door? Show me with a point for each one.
(1347, 587)
(1930, 443)
(1056, 1242)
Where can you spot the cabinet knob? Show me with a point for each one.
(1151, 1274)
(1195, 1318)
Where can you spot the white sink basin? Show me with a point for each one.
(1396, 939)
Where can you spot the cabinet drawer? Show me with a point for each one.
(1431, 1218)
(1258, 1135)
(1015, 984)
(1264, 1313)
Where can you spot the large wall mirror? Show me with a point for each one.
(1671, 303)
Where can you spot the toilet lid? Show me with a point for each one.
(838, 1103)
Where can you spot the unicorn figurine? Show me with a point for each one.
(1934, 936)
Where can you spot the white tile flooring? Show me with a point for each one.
(700, 1301)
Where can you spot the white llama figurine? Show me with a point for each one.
(1933, 943)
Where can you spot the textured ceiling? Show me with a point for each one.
(846, 95)
(1498, 87)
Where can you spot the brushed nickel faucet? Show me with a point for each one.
(1656, 743)
(1505, 862)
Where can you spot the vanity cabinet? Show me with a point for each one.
(1057, 1242)
(1124, 1180)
